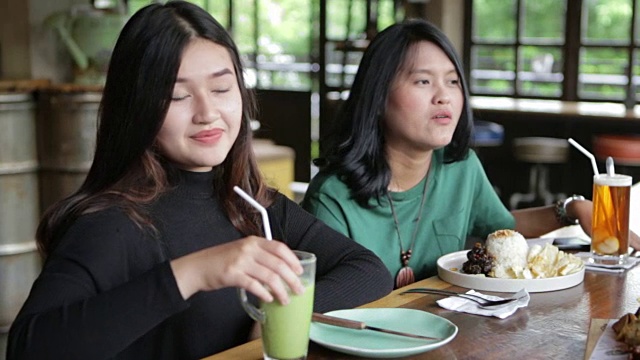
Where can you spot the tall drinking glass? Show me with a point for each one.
(285, 328)
(610, 227)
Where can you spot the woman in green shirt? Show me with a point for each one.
(399, 176)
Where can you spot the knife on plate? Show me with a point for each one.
(359, 325)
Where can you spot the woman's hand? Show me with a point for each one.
(582, 210)
(634, 241)
(255, 264)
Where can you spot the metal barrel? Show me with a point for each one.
(19, 204)
(66, 136)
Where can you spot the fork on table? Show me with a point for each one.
(478, 299)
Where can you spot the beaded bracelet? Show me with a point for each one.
(561, 210)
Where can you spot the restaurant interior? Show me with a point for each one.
(529, 94)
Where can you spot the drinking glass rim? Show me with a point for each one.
(613, 180)
(305, 257)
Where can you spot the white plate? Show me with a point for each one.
(373, 344)
(448, 263)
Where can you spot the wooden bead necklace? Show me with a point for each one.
(405, 276)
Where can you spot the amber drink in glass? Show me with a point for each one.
(610, 227)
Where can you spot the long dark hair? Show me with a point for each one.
(356, 149)
(127, 172)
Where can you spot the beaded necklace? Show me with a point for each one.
(405, 276)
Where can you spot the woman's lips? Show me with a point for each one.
(442, 117)
(208, 136)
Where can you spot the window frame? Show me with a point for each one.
(571, 49)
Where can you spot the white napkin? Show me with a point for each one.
(456, 303)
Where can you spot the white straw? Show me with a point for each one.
(263, 211)
(586, 152)
(611, 170)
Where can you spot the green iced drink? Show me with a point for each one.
(285, 333)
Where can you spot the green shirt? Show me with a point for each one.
(460, 202)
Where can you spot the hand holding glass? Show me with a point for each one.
(285, 328)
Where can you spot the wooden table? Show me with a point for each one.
(555, 325)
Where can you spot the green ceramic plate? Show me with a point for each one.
(373, 344)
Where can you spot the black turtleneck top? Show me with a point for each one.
(107, 290)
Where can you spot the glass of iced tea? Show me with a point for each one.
(610, 227)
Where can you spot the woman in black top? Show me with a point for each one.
(142, 261)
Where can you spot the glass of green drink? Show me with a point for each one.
(285, 328)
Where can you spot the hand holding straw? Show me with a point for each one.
(587, 153)
(260, 208)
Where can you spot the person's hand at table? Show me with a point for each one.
(583, 211)
(634, 241)
(253, 263)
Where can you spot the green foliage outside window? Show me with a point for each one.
(543, 20)
(282, 36)
(604, 42)
(608, 20)
(494, 20)
(277, 49)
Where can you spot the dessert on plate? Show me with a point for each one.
(507, 255)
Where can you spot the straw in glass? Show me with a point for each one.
(260, 208)
(587, 153)
(614, 225)
(611, 170)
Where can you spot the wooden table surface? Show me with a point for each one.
(555, 325)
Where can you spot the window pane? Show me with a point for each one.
(244, 26)
(540, 71)
(636, 67)
(135, 5)
(284, 27)
(636, 74)
(636, 27)
(220, 10)
(494, 21)
(284, 44)
(606, 21)
(543, 21)
(290, 80)
(341, 66)
(340, 25)
(602, 73)
(386, 14)
(493, 69)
